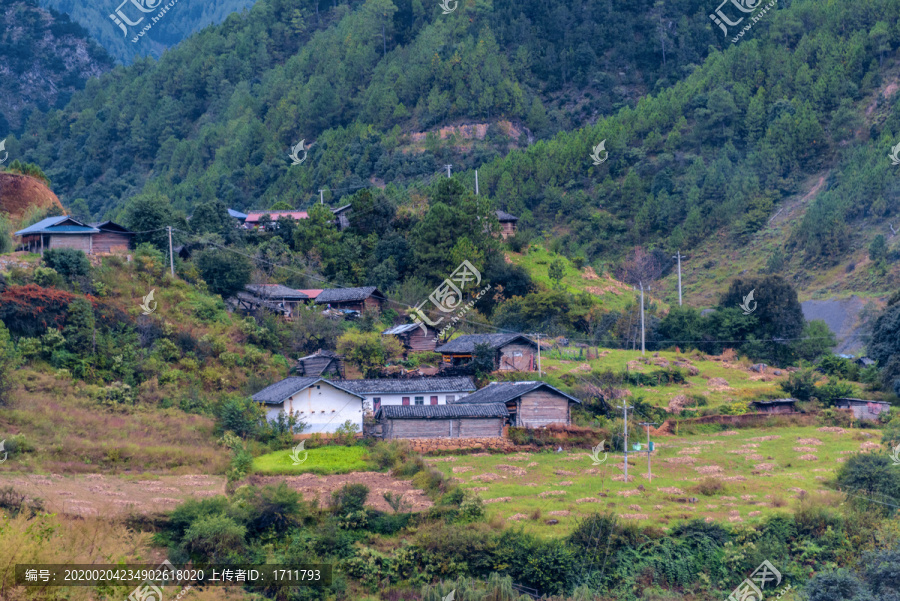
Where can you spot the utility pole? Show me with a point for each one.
(321, 197)
(648, 424)
(625, 407)
(448, 169)
(538, 335)
(642, 318)
(171, 256)
(476, 182)
(678, 256)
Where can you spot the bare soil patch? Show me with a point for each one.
(313, 486)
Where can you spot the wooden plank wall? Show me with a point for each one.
(441, 428)
(510, 363)
(110, 242)
(542, 408)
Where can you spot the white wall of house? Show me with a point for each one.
(322, 407)
(415, 398)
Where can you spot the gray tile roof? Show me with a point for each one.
(441, 411)
(409, 386)
(275, 291)
(279, 391)
(343, 295)
(466, 344)
(775, 402)
(504, 216)
(852, 401)
(502, 392)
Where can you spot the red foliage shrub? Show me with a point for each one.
(30, 310)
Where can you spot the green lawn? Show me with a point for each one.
(763, 470)
(322, 460)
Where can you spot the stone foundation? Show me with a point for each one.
(426, 445)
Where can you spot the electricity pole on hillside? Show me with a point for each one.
(321, 196)
(171, 256)
(538, 336)
(448, 169)
(476, 182)
(678, 256)
(648, 424)
(625, 407)
(643, 347)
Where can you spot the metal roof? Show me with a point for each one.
(237, 214)
(441, 411)
(409, 386)
(254, 216)
(57, 225)
(401, 329)
(502, 392)
(275, 291)
(112, 226)
(466, 344)
(279, 391)
(339, 295)
(775, 402)
(850, 401)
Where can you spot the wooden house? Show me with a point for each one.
(286, 298)
(342, 216)
(65, 232)
(351, 299)
(415, 337)
(775, 406)
(321, 363)
(512, 352)
(442, 421)
(411, 391)
(863, 409)
(508, 224)
(530, 404)
(322, 405)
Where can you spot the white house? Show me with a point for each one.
(320, 404)
(412, 391)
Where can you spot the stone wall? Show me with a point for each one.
(426, 445)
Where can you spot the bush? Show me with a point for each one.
(872, 476)
(214, 538)
(829, 393)
(270, 508)
(709, 487)
(241, 415)
(16, 503)
(800, 385)
(47, 277)
(67, 262)
(349, 498)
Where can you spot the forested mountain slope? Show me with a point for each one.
(44, 57)
(217, 115)
(183, 19)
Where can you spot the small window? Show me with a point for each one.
(420, 400)
(517, 353)
(376, 403)
(451, 398)
(406, 400)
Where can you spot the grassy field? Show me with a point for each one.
(761, 471)
(322, 461)
(741, 383)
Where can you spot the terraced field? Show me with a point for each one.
(761, 471)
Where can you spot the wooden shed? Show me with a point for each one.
(351, 299)
(530, 404)
(342, 217)
(775, 406)
(112, 238)
(415, 337)
(508, 224)
(442, 421)
(512, 352)
(287, 298)
(321, 363)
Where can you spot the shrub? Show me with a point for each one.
(67, 262)
(800, 385)
(30, 310)
(349, 498)
(214, 538)
(241, 415)
(276, 508)
(709, 487)
(829, 393)
(873, 476)
(16, 503)
(345, 434)
(47, 277)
